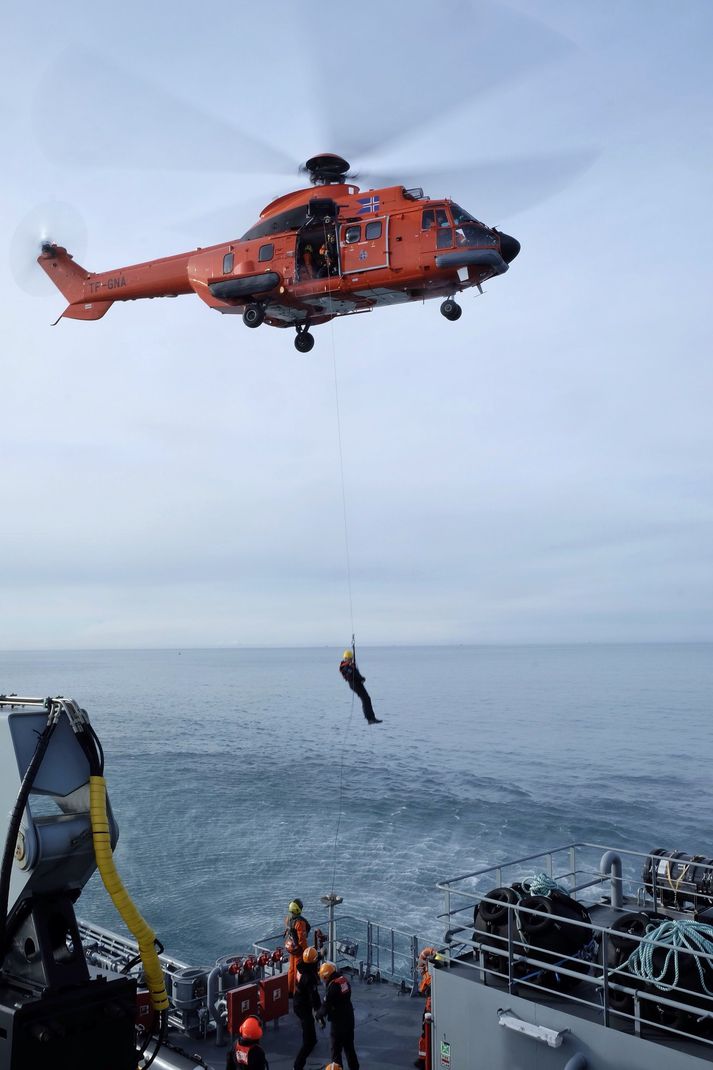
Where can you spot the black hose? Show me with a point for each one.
(159, 1041)
(14, 826)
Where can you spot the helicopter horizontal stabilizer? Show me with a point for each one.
(89, 310)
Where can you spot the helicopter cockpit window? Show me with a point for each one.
(266, 252)
(461, 216)
(228, 261)
(476, 234)
(444, 238)
(352, 234)
(373, 230)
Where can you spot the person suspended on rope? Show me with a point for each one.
(349, 670)
(296, 932)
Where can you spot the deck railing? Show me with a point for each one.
(587, 981)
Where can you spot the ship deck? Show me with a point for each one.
(388, 1024)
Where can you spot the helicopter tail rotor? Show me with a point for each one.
(36, 236)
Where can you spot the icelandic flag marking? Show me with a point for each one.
(368, 205)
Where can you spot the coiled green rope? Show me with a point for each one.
(682, 936)
(541, 884)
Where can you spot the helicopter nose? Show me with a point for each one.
(509, 247)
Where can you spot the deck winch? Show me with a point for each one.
(682, 881)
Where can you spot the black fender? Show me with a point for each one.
(487, 258)
(245, 286)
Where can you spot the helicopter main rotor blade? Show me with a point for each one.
(494, 188)
(422, 63)
(127, 121)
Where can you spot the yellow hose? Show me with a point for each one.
(142, 932)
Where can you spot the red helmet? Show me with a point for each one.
(250, 1029)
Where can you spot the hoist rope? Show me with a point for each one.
(347, 556)
(340, 449)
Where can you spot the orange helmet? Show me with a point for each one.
(250, 1029)
(309, 954)
(333, 1066)
(327, 970)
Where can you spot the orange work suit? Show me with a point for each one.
(296, 933)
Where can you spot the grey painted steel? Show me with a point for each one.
(55, 851)
(473, 258)
(610, 866)
(465, 1013)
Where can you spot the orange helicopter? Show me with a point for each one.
(313, 255)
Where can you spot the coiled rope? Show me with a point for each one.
(682, 937)
(541, 884)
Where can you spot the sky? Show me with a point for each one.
(539, 471)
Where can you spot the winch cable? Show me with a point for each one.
(347, 555)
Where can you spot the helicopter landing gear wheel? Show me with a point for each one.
(304, 340)
(254, 315)
(451, 310)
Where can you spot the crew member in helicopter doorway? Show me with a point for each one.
(349, 670)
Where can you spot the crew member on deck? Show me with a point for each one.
(247, 1051)
(337, 1006)
(296, 932)
(350, 672)
(306, 1002)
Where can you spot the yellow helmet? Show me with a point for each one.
(327, 970)
(295, 907)
(309, 954)
(347, 655)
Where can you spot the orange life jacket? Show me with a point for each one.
(295, 942)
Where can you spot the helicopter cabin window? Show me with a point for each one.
(444, 238)
(266, 252)
(352, 234)
(373, 230)
(228, 261)
(434, 217)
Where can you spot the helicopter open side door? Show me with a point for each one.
(364, 245)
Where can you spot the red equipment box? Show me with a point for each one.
(145, 1014)
(242, 1002)
(274, 998)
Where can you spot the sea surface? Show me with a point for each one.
(224, 770)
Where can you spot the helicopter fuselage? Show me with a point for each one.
(313, 255)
